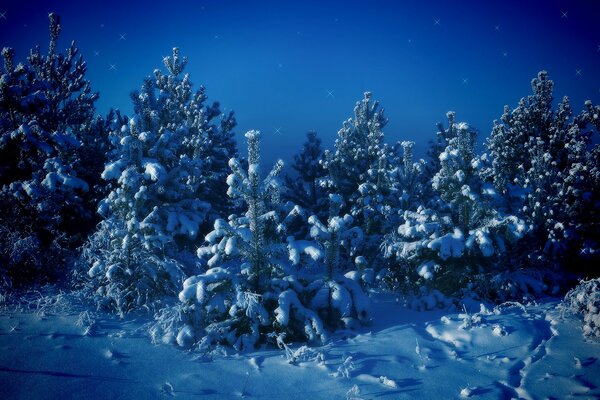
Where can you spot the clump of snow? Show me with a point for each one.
(585, 299)
(345, 369)
(385, 381)
(449, 245)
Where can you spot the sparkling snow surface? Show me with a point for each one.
(60, 350)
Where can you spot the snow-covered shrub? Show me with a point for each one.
(124, 273)
(46, 106)
(545, 162)
(155, 211)
(585, 299)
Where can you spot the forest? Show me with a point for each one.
(163, 214)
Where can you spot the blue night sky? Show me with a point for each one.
(287, 67)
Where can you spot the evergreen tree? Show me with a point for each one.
(354, 169)
(305, 189)
(545, 162)
(155, 211)
(257, 285)
(46, 108)
(463, 232)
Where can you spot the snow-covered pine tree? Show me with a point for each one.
(339, 298)
(46, 106)
(545, 162)
(305, 189)
(258, 285)
(408, 186)
(355, 168)
(154, 212)
(452, 241)
(248, 273)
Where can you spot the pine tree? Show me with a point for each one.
(257, 285)
(357, 161)
(543, 160)
(246, 261)
(159, 173)
(305, 189)
(46, 107)
(463, 232)
(338, 298)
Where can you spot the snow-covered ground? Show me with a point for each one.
(58, 350)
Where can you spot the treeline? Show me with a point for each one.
(135, 210)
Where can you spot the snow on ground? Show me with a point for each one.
(59, 350)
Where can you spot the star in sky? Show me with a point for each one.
(277, 131)
(505, 54)
(122, 36)
(330, 93)
(101, 25)
(112, 67)
(497, 27)
(565, 14)
(436, 22)
(2, 14)
(465, 81)
(598, 49)
(96, 53)
(578, 72)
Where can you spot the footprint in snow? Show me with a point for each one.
(256, 362)
(116, 356)
(167, 389)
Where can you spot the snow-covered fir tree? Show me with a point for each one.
(46, 109)
(155, 211)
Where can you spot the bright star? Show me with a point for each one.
(113, 67)
(96, 53)
(122, 36)
(565, 14)
(330, 93)
(577, 72)
(436, 22)
(465, 81)
(497, 27)
(505, 54)
(2, 14)
(277, 131)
